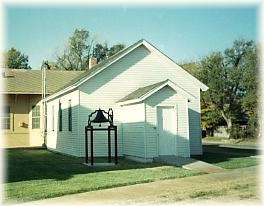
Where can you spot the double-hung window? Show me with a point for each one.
(60, 117)
(5, 116)
(69, 116)
(36, 117)
(52, 116)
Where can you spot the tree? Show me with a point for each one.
(14, 59)
(100, 52)
(80, 48)
(249, 101)
(115, 48)
(211, 118)
(225, 75)
(77, 52)
(192, 68)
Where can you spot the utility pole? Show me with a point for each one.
(44, 66)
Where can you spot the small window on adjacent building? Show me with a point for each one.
(69, 116)
(6, 118)
(52, 117)
(60, 117)
(36, 117)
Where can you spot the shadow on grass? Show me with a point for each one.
(36, 164)
(215, 153)
(26, 164)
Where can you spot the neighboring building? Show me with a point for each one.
(156, 106)
(22, 120)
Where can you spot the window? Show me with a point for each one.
(60, 117)
(36, 117)
(52, 116)
(6, 118)
(69, 116)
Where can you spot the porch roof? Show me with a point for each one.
(144, 92)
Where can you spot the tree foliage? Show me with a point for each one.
(14, 59)
(77, 52)
(102, 52)
(231, 78)
(210, 117)
(80, 47)
(115, 48)
(192, 68)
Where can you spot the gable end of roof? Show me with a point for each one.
(108, 62)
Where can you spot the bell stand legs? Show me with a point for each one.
(115, 129)
(86, 146)
(91, 129)
(91, 144)
(109, 145)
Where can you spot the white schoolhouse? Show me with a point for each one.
(156, 106)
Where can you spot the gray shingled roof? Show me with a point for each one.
(141, 91)
(29, 81)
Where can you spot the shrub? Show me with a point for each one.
(237, 132)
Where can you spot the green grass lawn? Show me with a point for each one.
(37, 174)
(224, 140)
(228, 157)
(34, 174)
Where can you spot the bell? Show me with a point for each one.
(99, 118)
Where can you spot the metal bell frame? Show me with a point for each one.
(100, 118)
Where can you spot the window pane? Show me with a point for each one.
(60, 118)
(52, 117)
(35, 123)
(36, 111)
(5, 123)
(6, 118)
(6, 111)
(36, 117)
(70, 116)
(33, 111)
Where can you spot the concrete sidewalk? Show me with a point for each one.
(189, 163)
(223, 187)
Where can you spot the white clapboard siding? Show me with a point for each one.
(133, 124)
(100, 137)
(167, 97)
(139, 68)
(63, 141)
(194, 111)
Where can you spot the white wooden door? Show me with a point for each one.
(166, 130)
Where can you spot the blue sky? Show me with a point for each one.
(183, 33)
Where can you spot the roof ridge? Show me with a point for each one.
(118, 53)
(111, 60)
(97, 67)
